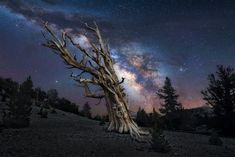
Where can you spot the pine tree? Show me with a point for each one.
(52, 100)
(142, 118)
(39, 96)
(7, 88)
(170, 107)
(86, 110)
(168, 94)
(220, 95)
(2, 91)
(19, 105)
(155, 118)
(52, 95)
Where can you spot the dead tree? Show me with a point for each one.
(98, 63)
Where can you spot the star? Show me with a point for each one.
(171, 37)
(183, 69)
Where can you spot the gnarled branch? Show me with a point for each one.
(89, 94)
(61, 50)
(123, 79)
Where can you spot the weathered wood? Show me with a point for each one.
(101, 69)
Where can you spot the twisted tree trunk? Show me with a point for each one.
(119, 116)
(99, 64)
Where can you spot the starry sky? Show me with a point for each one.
(149, 40)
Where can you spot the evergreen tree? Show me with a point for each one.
(2, 91)
(220, 95)
(142, 118)
(39, 96)
(86, 110)
(170, 107)
(168, 94)
(19, 105)
(155, 118)
(7, 88)
(65, 105)
(52, 96)
(52, 99)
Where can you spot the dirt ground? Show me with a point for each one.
(68, 135)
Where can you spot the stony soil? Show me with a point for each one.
(68, 135)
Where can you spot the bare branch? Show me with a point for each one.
(76, 76)
(60, 48)
(79, 47)
(83, 80)
(123, 79)
(90, 28)
(64, 39)
(91, 95)
(90, 63)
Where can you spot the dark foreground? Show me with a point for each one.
(68, 135)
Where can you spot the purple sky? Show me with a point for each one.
(149, 40)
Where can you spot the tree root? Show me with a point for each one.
(135, 132)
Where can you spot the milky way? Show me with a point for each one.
(149, 40)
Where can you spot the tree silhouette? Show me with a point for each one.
(39, 96)
(65, 105)
(2, 91)
(7, 88)
(142, 118)
(19, 105)
(86, 110)
(220, 95)
(52, 95)
(170, 107)
(155, 118)
(52, 98)
(168, 94)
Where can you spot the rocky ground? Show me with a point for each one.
(68, 135)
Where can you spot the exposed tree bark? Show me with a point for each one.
(99, 64)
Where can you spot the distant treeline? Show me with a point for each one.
(16, 102)
(218, 116)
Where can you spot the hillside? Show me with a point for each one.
(68, 135)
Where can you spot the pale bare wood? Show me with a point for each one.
(99, 64)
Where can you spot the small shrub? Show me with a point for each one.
(53, 111)
(159, 143)
(215, 139)
(86, 110)
(102, 122)
(44, 114)
(97, 117)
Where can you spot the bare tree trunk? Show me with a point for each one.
(119, 116)
(120, 119)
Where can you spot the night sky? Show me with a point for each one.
(149, 40)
